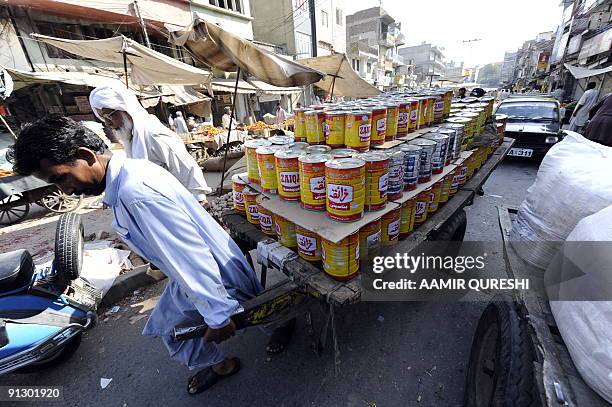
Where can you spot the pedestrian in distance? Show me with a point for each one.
(226, 118)
(584, 105)
(281, 114)
(558, 93)
(144, 136)
(208, 276)
(180, 124)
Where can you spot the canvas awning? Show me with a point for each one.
(340, 77)
(149, 96)
(580, 73)
(227, 85)
(22, 79)
(176, 95)
(225, 51)
(274, 90)
(148, 67)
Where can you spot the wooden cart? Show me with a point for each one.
(18, 192)
(307, 282)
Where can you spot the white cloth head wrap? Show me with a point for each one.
(145, 124)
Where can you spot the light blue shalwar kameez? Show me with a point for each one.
(208, 274)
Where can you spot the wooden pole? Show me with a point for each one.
(332, 87)
(142, 24)
(229, 131)
(7, 126)
(125, 69)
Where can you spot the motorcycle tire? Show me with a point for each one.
(69, 241)
(60, 356)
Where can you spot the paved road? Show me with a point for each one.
(392, 354)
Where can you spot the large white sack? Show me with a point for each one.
(586, 326)
(573, 181)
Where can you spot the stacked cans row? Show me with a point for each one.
(367, 122)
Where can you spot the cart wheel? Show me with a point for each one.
(13, 209)
(453, 229)
(500, 371)
(59, 202)
(232, 147)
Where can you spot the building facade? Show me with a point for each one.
(373, 37)
(287, 23)
(531, 69)
(583, 39)
(232, 15)
(507, 69)
(428, 61)
(454, 71)
(89, 20)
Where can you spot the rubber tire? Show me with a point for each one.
(62, 355)
(513, 376)
(69, 242)
(454, 228)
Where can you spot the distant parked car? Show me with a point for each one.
(534, 123)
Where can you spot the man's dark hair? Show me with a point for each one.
(54, 137)
(462, 89)
(591, 85)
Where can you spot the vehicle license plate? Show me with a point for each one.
(520, 152)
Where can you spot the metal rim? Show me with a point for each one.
(59, 202)
(13, 214)
(485, 366)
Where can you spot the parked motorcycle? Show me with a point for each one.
(44, 313)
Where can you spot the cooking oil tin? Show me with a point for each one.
(345, 183)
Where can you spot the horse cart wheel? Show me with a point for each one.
(57, 201)
(13, 209)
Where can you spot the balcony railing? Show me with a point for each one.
(387, 40)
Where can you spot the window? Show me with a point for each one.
(355, 63)
(369, 66)
(69, 31)
(324, 19)
(339, 17)
(233, 5)
(529, 111)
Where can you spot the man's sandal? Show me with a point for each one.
(206, 378)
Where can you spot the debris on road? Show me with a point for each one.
(380, 318)
(104, 382)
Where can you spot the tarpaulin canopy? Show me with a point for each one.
(340, 77)
(24, 78)
(148, 67)
(580, 73)
(274, 90)
(228, 52)
(181, 95)
(174, 94)
(227, 85)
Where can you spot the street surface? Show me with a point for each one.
(392, 354)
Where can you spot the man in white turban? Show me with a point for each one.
(144, 136)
